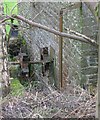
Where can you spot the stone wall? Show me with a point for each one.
(40, 38)
(72, 48)
(48, 14)
(89, 61)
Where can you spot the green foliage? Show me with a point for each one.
(24, 82)
(97, 10)
(81, 9)
(81, 19)
(14, 71)
(12, 58)
(7, 10)
(16, 88)
(21, 39)
(23, 42)
(35, 84)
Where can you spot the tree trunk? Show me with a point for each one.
(5, 86)
(98, 88)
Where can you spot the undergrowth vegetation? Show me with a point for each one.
(16, 88)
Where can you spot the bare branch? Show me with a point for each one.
(81, 35)
(75, 37)
(78, 36)
(38, 14)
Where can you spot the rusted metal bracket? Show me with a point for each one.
(25, 64)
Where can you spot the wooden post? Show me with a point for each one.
(60, 48)
(98, 87)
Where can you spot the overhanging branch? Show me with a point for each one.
(75, 37)
(38, 25)
(81, 35)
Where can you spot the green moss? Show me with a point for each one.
(14, 70)
(81, 13)
(97, 10)
(16, 88)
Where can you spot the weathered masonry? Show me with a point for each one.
(79, 59)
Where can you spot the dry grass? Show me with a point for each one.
(41, 102)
